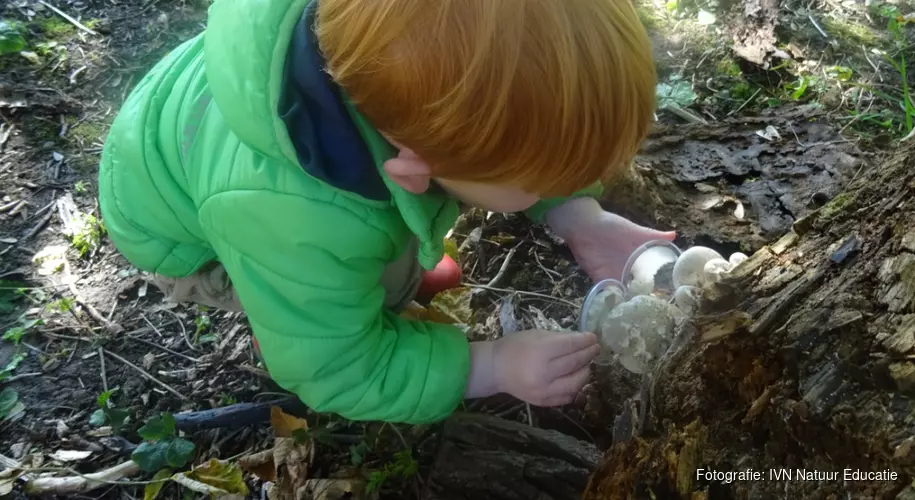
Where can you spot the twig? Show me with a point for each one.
(166, 349)
(255, 371)
(22, 376)
(817, 26)
(152, 325)
(530, 417)
(78, 482)
(682, 113)
(187, 339)
(522, 292)
(501, 274)
(101, 358)
(146, 374)
(549, 272)
(74, 22)
(748, 101)
(37, 227)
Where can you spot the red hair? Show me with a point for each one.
(545, 95)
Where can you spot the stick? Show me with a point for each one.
(101, 358)
(237, 415)
(74, 22)
(166, 349)
(522, 292)
(817, 26)
(146, 374)
(501, 273)
(84, 482)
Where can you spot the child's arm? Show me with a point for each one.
(307, 273)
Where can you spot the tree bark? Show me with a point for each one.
(481, 456)
(802, 360)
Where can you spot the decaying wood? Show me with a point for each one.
(487, 457)
(803, 359)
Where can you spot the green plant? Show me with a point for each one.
(403, 467)
(89, 236)
(357, 453)
(11, 37)
(161, 446)
(80, 186)
(16, 333)
(202, 323)
(9, 403)
(895, 25)
(108, 414)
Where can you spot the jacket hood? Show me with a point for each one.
(245, 48)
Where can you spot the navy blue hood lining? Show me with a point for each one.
(326, 140)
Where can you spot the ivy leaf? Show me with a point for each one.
(9, 399)
(117, 417)
(178, 452)
(159, 427)
(98, 418)
(158, 482)
(150, 456)
(11, 39)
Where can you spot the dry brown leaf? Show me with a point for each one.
(284, 424)
(336, 489)
(260, 464)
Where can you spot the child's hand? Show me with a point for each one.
(540, 367)
(600, 241)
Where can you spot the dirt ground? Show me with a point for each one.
(764, 115)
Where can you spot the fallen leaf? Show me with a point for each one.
(151, 491)
(451, 249)
(507, 315)
(7, 485)
(260, 464)
(452, 306)
(284, 424)
(222, 477)
(292, 462)
(541, 322)
(335, 489)
(69, 455)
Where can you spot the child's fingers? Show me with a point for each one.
(573, 362)
(567, 343)
(569, 385)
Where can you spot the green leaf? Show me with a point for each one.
(11, 39)
(159, 427)
(150, 456)
(117, 417)
(208, 338)
(98, 418)
(12, 365)
(8, 399)
(451, 250)
(104, 397)
(152, 489)
(179, 452)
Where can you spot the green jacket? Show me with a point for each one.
(200, 165)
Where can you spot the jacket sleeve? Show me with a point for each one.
(537, 213)
(308, 275)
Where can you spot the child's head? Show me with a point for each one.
(542, 97)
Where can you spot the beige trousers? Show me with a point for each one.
(211, 286)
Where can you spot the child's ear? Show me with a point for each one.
(409, 172)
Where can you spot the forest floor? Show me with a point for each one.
(764, 114)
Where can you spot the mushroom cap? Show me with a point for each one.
(714, 269)
(687, 299)
(690, 267)
(736, 259)
(639, 331)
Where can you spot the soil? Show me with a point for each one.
(103, 325)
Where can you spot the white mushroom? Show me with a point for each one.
(687, 299)
(645, 268)
(715, 269)
(603, 302)
(690, 267)
(736, 259)
(638, 331)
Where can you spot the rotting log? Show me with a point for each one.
(802, 360)
(482, 456)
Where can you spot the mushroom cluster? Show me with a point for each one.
(635, 318)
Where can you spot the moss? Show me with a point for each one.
(727, 66)
(851, 33)
(55, 27)
(649, 17)
(87, 132)
(836, 205)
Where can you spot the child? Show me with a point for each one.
(302, 161)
